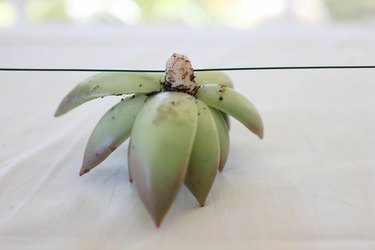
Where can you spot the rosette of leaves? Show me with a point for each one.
(177, 124)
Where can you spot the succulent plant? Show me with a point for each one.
(177, 124)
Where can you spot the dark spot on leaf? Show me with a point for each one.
(113, 117)
(221, 98)
(94, 88)
(140, 85)
(199, 113)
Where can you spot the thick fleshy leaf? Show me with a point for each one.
(105, 84)
(213, 77)
(220, 78)
(223, 133)
(111, 131)
(205, 157)
(233, 103)
(162, 140)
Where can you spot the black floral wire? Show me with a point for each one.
(207, 69)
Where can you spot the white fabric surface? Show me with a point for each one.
(308, 185)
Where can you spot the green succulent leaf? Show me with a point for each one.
(111, 131)
(161, 142)
(106, 84)
(223, 133)
(205, 157)
(233, 103)
(213, 77)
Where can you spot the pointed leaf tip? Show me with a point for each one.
(83, 171)
(261, 135)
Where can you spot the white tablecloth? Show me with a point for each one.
(308, 185)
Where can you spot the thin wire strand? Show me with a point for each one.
(83, 70)
(208, 69)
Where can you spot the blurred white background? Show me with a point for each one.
(241, 14)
